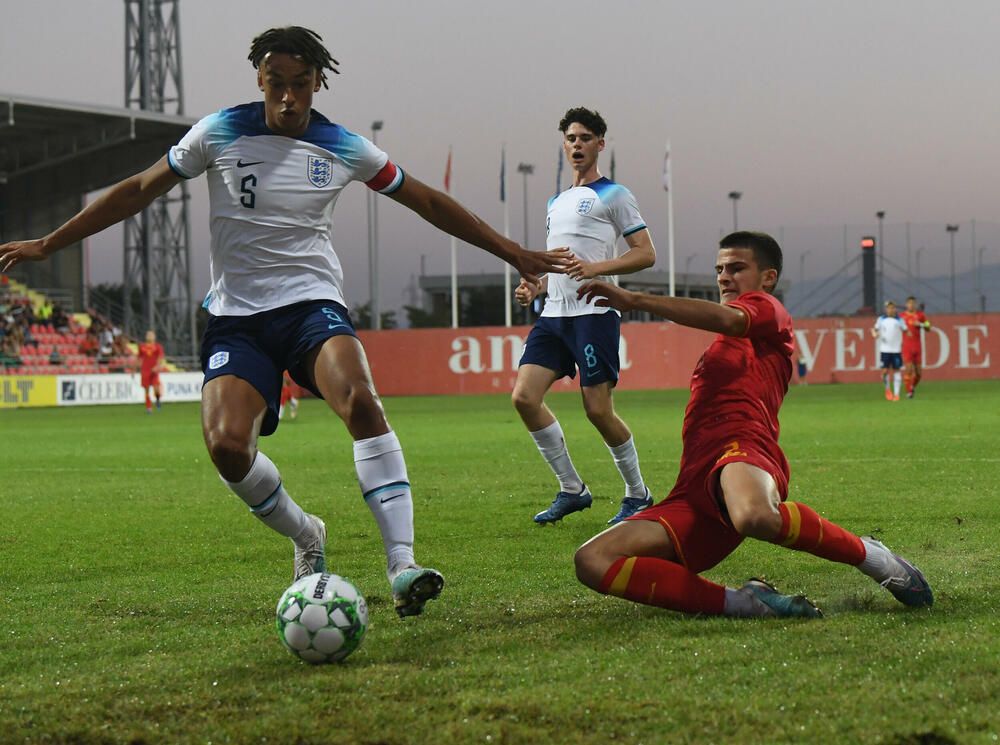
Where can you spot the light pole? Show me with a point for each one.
(735, 196)
(687, 275)
(526, 169)
(952, 229)
(802, 265)
(881, 261)
(979, 280)
(373, 303)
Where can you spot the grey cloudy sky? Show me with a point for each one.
(820, 113)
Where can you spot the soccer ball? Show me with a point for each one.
(322, 618)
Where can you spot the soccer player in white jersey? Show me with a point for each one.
(588, 218)
(889, 329)
(275, 169)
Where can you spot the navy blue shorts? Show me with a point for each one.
(892, 360)
(589, 342)
(258, 348)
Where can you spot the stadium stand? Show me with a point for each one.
(32, 346)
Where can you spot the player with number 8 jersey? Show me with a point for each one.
(588, 219)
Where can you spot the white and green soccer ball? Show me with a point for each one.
(322, 618)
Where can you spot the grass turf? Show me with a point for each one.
(137, 594)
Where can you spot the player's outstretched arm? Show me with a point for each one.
(122, 200)
(640, 255)
(699, 314)
(444, 213)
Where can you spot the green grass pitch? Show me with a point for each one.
(137, 594)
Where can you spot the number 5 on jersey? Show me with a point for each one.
(249, 197)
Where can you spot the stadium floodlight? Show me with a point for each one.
(952, 229)
(880, 215)
(735, 196)
(868, 282)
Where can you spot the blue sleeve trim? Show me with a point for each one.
(634, 230)
(174, 167)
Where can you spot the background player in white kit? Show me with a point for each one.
(889, 330)
(588, 219)
(275, 169)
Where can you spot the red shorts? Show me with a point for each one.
(150, 378)
(692, 515)
(912, 353)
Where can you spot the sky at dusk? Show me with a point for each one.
(820, 113)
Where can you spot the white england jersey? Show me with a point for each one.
(272, 200)
(890, 334)
(589, 219)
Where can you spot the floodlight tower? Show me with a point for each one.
(157, 249)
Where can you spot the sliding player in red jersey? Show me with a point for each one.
(151, 356)
(733, 480)
(916, 322)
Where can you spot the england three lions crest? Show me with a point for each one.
(584, 206)
(320, 171)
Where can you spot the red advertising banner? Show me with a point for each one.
(662, 355)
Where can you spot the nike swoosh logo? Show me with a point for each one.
(241, 164)
(389, 499)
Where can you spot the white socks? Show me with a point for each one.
(741, 604)
(879, 563)
(893, 381)
(384, 484)
(261, 489)
(552, 445)
(627, 462)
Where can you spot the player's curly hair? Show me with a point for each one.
(589, 119)
(296, 40)
(766, 251)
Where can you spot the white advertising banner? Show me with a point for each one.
(125, 388)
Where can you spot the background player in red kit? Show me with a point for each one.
(151, 356)
(915, 321)
(291, 392)
(733, 480)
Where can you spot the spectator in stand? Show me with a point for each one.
(12, 340)
(4, 325)
(4, 288)
(28, 312)
(56, 357)
(119, 347)
(44, 314)
(105, 341)
(29, 336)
(89, 345)
(60, 321)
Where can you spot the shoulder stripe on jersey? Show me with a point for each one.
(602, 184)
(388, 180)
(635, 229)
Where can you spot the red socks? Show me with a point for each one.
(802, 529)
(666, 584)
(651, 581)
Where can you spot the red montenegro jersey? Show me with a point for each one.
(150, 355)
(739, 383)
(914, 321)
